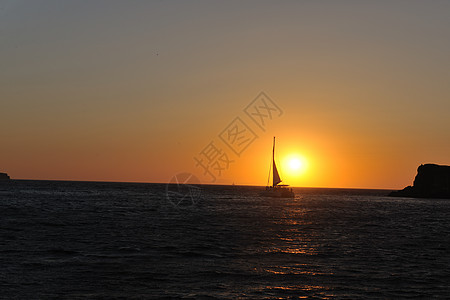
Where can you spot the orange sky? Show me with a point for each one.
(133, 91)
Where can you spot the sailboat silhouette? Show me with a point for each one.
(276, 189)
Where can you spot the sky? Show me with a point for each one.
(144, 91)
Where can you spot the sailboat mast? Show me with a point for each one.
(273, 162)
(273, 151)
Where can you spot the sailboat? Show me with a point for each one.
(277, 189)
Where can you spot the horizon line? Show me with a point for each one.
(207, 184)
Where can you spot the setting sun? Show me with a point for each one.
(294, 165)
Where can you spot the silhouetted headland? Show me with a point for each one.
(4, 176)
(432, 181)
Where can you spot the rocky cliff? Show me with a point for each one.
(432, 181)
(4, 176)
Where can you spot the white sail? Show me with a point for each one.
(276, 176)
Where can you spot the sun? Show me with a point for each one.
(295, 165)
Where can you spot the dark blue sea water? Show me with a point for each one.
(78, 240)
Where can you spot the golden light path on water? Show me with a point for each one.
(294, 241)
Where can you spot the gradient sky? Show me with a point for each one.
(134, 90)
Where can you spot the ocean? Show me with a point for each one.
(98, 240)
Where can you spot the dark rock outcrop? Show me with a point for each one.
(432, 181)
(4, 176)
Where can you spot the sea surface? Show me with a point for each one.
(87, 240)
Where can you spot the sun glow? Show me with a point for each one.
(295, 165)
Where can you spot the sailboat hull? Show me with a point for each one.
(278, 192)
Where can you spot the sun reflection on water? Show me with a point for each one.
(297, 290)
(293, 250)
(291, 239)
(298, 269)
